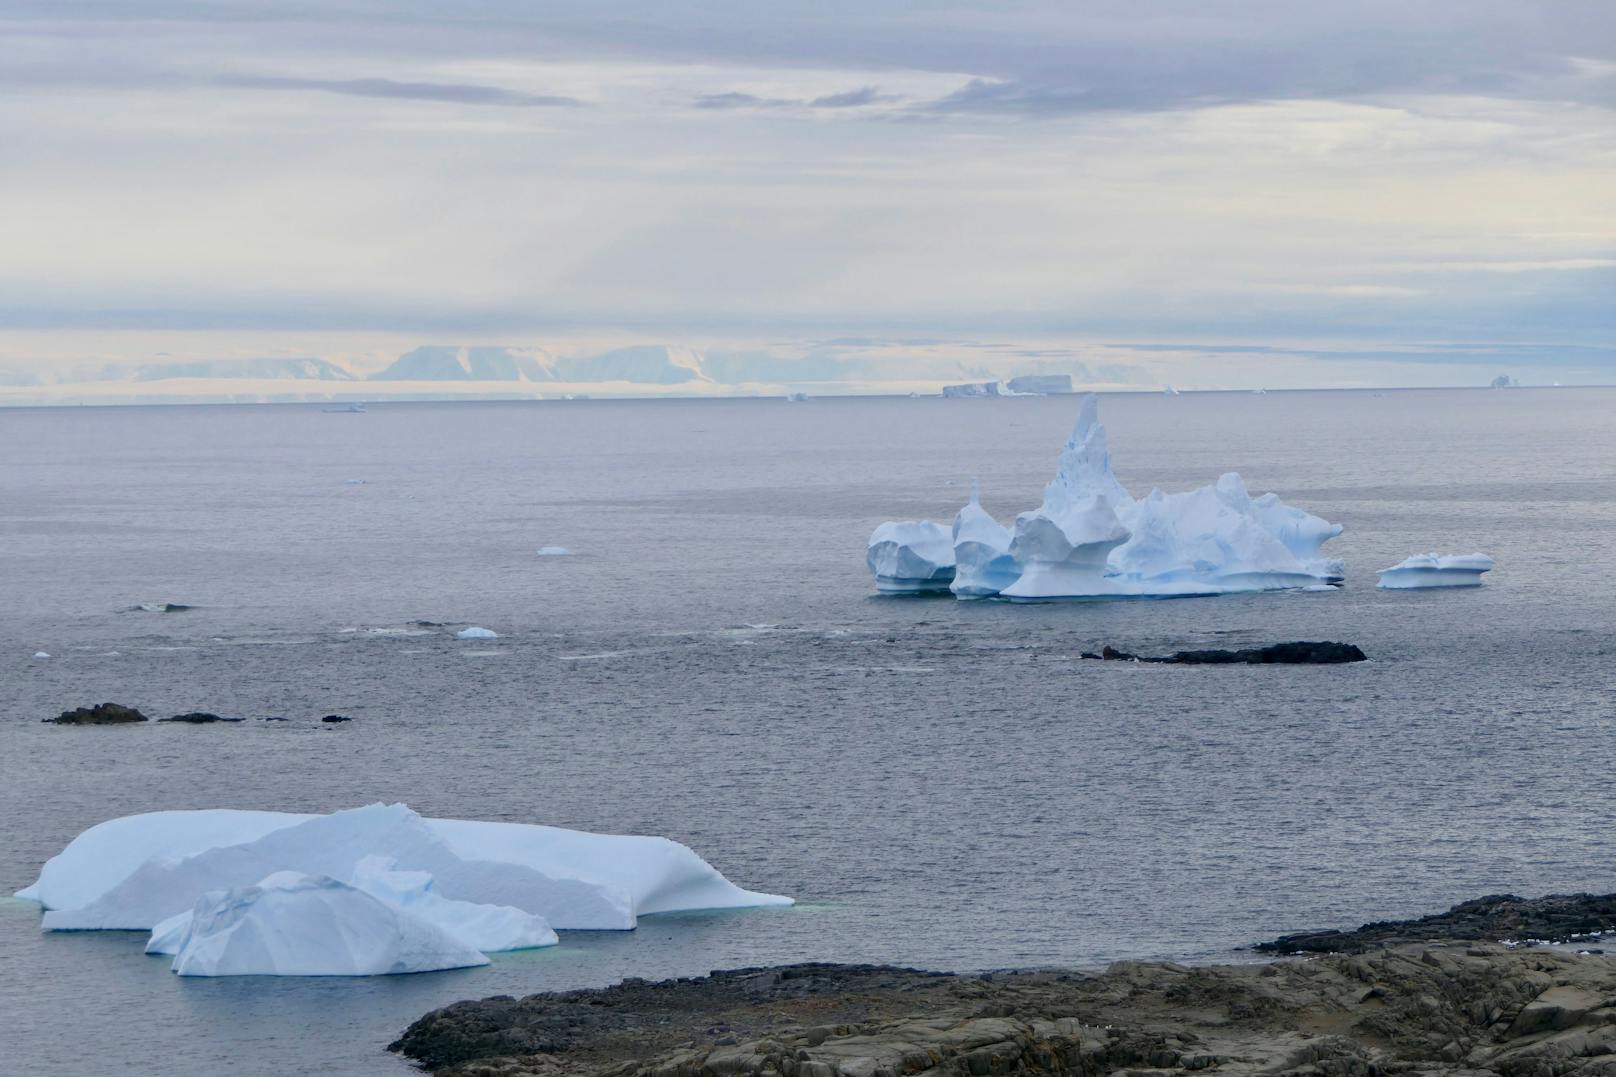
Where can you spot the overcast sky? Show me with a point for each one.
(1437, 170)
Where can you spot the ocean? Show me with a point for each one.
(939, 783)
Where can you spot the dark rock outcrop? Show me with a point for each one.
(1458, 1008)
(198, 718)
(100, 714)
(334, 718)
(1498, 917)
(1301, 653)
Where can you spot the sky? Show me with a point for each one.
(1409, 174)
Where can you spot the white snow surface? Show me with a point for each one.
(1092, 539)
(476, 632)
(291, 924)
(911, 557)
(140, 870)
(1436, 570)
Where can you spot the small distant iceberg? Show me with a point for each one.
(345, 409)
(1091, 539)
(159, 607)
(797, 398)
(1436, 570)
(911, 558)
(41, 654)
(554, 551)
(476, 632)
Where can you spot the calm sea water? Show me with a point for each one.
(939, 783)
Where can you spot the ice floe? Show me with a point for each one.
(489, 886)
(1091, 539)
(1436, 570)
(476, 632)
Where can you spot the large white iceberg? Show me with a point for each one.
(912, 557)
(291, 924)
(1436, 570)
(201, 882)
(134, 872)
(983, 564)
(1091, 539)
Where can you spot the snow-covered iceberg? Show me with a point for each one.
(983, 564)
(1436, 570)
(911, 558)
(291, 924)
(1091, 539)
(491, 886)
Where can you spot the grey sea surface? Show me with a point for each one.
(939, 783)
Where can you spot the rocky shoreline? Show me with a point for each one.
(1451, 1005)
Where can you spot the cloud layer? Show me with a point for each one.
(1259, 169)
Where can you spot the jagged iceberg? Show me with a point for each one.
(1436, 570)
(912, 557)
(983, 565)
(1091, 539)
(491, 886)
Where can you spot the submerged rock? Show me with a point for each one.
(1295, 654)
(100, 714)
(198, 718)
(335, 718)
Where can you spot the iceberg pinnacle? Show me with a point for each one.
(983, 564)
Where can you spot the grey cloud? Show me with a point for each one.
(1043, 59)
(864, 95)
(452, 92)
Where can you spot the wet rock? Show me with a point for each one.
(334, 718)
(1301, 653)
(198, 718)
(1496, 918)
(100, 714)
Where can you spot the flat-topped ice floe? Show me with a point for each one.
(911, 558)
(492, 886)
(1436, 570)
(1091, 539)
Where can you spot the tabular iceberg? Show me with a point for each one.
(290, 924)
(912, 557)
(1436, 570)
(491, 886)
(1091, 539)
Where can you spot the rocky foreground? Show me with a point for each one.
(1451, 1008)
